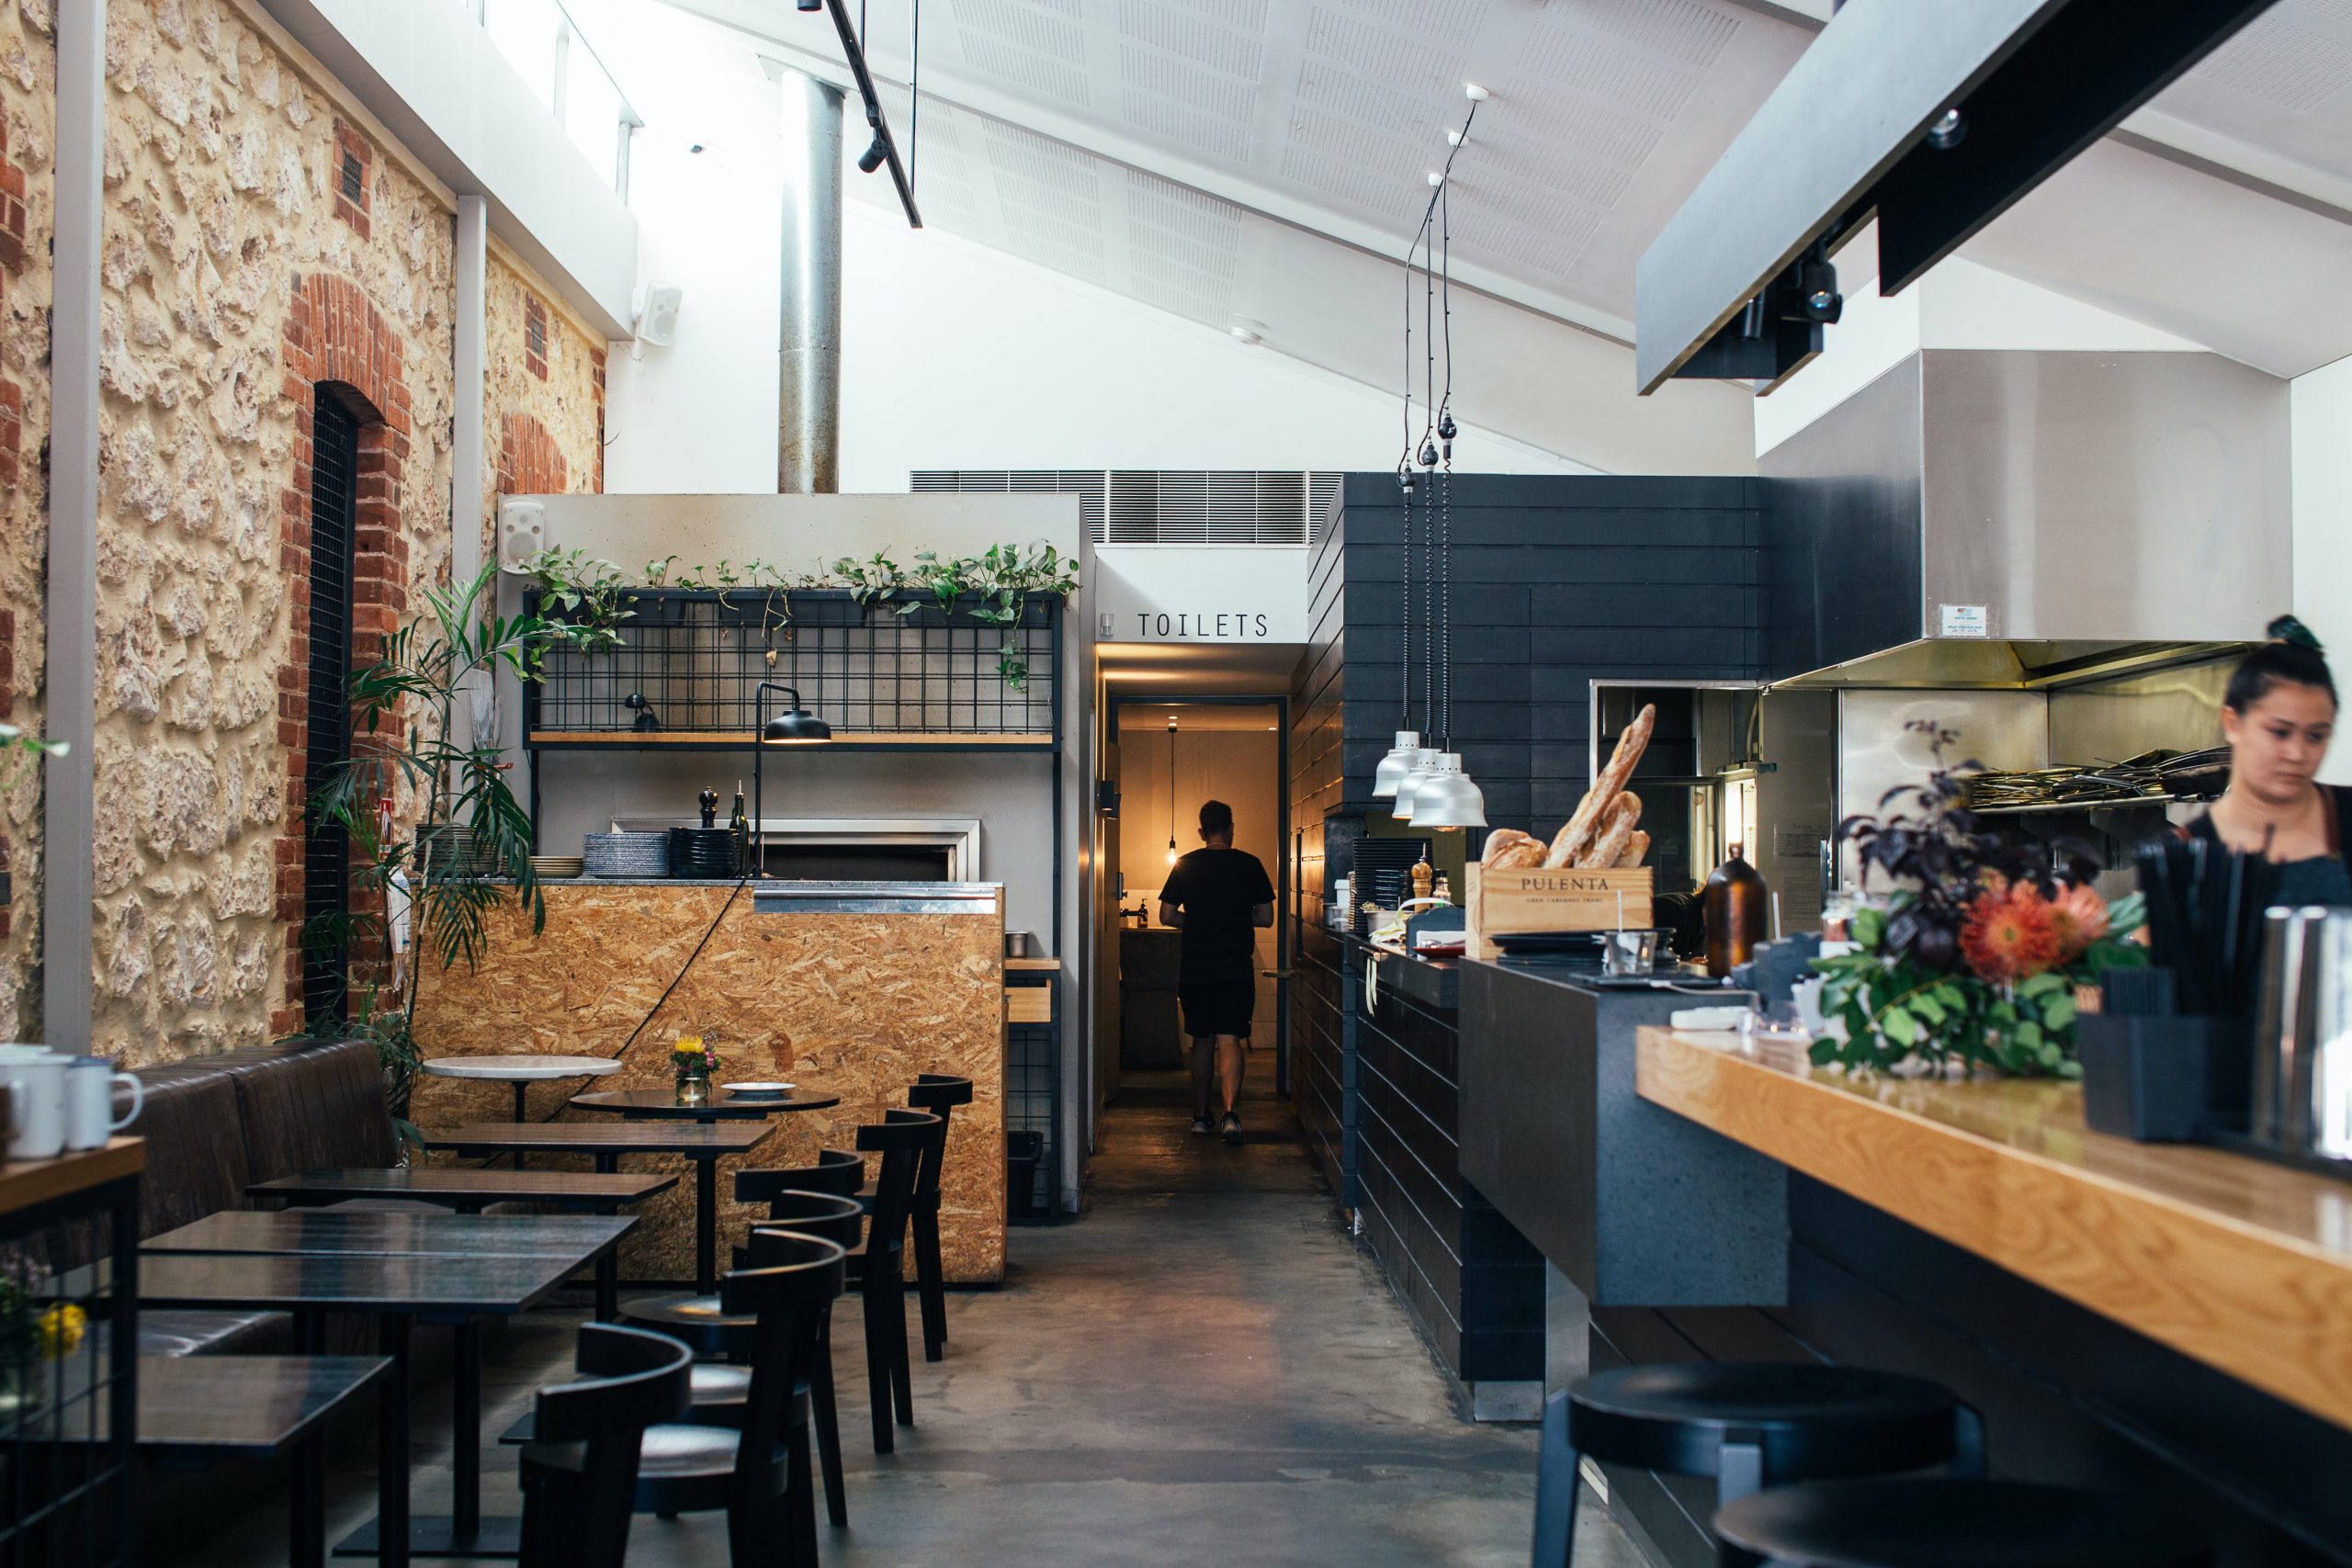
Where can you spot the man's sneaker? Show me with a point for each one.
(1200, 1124)
(1232, 1128)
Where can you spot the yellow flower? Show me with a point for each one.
(60, 1331)
(689, 1044)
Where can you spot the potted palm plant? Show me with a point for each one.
(470, 850)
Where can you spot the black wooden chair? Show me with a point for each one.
(757, 1474)
(939, 1093)
(1750, 1425)
(905, 1139)
(838, 1172)
(576, 1515)
(723, 1388)
(2001, 1524)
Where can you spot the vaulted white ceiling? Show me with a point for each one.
(1267, 161)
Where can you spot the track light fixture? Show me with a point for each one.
(871, 159)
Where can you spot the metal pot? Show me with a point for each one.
(2303, 1039)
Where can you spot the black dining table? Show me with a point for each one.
(400, 1290)
(703, 1143)
(664, 1104)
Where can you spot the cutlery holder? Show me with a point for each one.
(2162, 1079)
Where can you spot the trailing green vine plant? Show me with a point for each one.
(584, 591)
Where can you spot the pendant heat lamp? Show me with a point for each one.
(1396, 765)
(1423, 770)
(1447, 797)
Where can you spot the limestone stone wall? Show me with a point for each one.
(28, 125)
(545, 408)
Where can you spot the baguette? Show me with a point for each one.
(1575, 840)
(1616, 832)
(1636, 851)
(1500, 840)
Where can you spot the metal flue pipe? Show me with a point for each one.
(808, 411)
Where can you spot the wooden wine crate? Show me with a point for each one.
(1558, 900)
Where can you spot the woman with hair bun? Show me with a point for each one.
(2277, 717)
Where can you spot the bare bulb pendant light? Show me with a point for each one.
(1171, 789)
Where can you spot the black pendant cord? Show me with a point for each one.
(1444, 502)
(914, 108)
(1404, 649)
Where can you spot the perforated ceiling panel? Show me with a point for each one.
(2283, 63)
(2284, 85)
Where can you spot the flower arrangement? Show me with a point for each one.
(1973, 958)
(31, 1332)
(694, 1063)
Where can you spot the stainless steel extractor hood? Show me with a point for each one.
(2027, 520)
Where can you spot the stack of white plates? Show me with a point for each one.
(626, 854)
(557, 867)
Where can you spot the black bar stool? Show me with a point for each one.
(1750, 1425)
(1953, 1524)
(578, 1517)
(939, 1093)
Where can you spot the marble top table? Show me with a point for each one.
(522, 1072)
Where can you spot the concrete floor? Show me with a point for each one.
(1202, 1370)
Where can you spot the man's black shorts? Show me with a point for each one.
(1219, 1007)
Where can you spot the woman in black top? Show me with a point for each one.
(2279, 715)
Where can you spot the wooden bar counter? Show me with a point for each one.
(2237, 1263)
(854, 993)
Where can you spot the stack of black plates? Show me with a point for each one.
(703, 851)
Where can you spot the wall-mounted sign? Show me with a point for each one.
(1206, 593)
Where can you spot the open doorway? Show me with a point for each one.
(1174, 755)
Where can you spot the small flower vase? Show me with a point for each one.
(693, 1065)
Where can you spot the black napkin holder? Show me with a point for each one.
(2165, 1078)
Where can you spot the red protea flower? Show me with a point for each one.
(2079, 916)
(2010, 935)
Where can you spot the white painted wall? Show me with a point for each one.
(954, 355)
(1183, 593)
(1959, 304)
(438, 82)
(2321, 416)
(957, 356)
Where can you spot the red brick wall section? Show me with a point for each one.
(12, 208)
(351, 147)
(596, 366)
(535, 336)
(334, 334)
(529, 462)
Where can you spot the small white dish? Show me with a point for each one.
(760, 1090)
(1703, 1021)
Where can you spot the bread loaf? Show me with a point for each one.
(1500, 840)
(1636, 851)
(1616, 832)
(1527, 854)
(1574, 842)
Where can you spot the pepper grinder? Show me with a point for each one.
(709, 802)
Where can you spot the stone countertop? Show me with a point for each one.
(1432, 982)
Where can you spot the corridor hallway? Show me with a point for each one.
(1203, 1371)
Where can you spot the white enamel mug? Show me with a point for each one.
(35, 1077)
(89, 1103)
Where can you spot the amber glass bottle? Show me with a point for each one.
(1734, 905)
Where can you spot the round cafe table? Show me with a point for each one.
(522, 1072)
(661, 1104)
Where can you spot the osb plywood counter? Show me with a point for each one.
(852, 1003)
(2241, 1264)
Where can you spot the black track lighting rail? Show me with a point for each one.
(884, 148)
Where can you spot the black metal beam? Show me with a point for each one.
(855, 52)
(1843, 139)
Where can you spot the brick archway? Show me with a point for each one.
(529, 461)
(334, 336)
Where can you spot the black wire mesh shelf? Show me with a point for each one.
(68, 1328)
(896, 674)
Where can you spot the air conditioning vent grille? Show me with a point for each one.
(1166, 506)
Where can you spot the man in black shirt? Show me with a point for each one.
(1218, 896)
